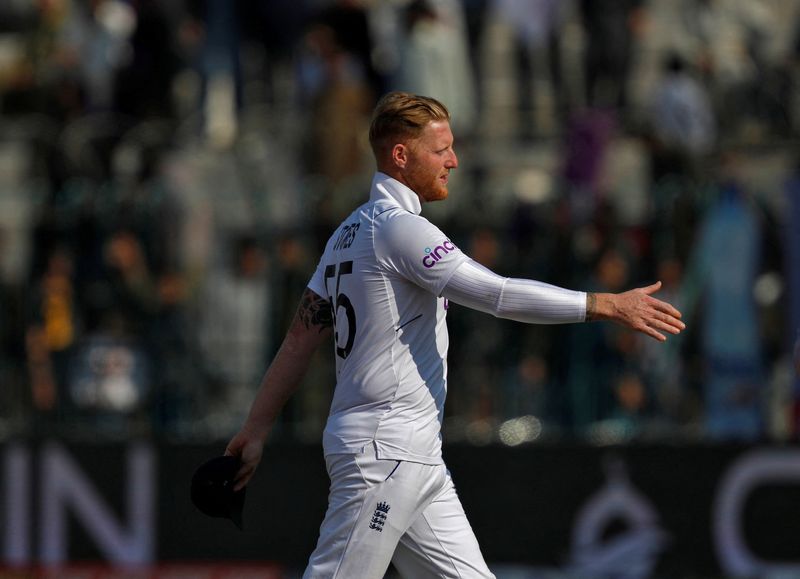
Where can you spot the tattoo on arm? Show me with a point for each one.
(591, 306)
(315, 311)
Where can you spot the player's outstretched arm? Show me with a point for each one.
(636, 309)
(310, 327)
(534, 302)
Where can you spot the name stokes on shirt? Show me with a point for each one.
(346, 236)
(339, 300)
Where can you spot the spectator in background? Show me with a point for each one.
(104, 49)
(722, 270)
(611, 28)
(536, 26)
(729, 40)
(53, 329)
(435, 62)
(131, 285)
(349, 21)
(682, 122)
(585, 148)
(222, 75)
(334, 84)
(235, 327)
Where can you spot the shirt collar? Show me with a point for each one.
(385, 187)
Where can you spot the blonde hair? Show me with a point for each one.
(400, 116)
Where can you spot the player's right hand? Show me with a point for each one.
(248, 449)
(639, 310)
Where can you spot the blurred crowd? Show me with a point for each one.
(169, 172)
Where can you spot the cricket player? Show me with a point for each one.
(381, 289)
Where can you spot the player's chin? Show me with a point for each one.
(435, 194)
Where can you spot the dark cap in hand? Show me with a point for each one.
(212, 489)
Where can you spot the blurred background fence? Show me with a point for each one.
(170, 171)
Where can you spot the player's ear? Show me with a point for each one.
(400, 155)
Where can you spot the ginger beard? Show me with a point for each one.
(430, 159)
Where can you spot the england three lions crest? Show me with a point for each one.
(379, 516)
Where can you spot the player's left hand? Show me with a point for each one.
(248, 449)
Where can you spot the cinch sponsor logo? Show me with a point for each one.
(435, 254)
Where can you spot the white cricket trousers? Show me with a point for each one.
(388, 510)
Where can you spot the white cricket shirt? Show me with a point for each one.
(383, 271)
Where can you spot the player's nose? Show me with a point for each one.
(452, 161)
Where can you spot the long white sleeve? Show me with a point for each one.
(523, 300)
